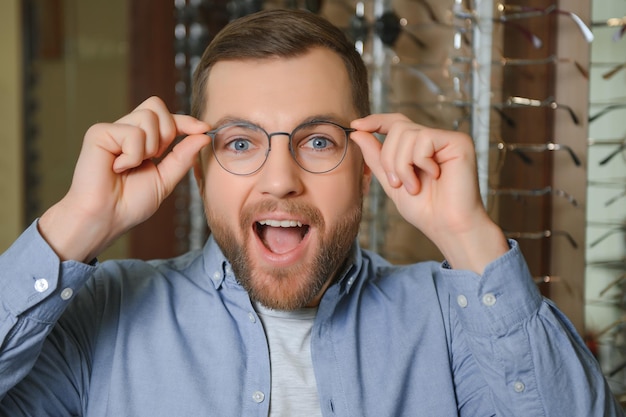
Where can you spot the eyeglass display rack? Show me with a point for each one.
(606, 250)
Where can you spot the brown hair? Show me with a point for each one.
(280, 33)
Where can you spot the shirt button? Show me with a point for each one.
(66, 294)
(252, 318)
(258, 396)
(461, 300)
(489, 299)
(216, 275)
(41, 285)
(519, 386)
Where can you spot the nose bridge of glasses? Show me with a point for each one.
(270, 136)
(289, 137)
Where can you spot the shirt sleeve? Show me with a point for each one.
(527, 351)
(35, 289)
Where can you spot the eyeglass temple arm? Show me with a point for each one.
(610, 156)
(526, 12)
(610, 73)
(606, 110)
(614, 198)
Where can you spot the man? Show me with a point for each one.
(281, 313)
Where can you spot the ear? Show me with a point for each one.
(198, 173)
(367, 178)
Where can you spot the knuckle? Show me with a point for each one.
(153, 102)
(168, 128)
(96, 131)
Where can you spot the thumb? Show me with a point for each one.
(371, 150)
(175, 165)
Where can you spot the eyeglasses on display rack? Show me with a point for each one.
(517, 62)
(514, 102)
(510, 12)
(520, 148)
(535, 192)
(613, 22)
(543, 234)
(620, 146)
(614, 228)
(609, 108)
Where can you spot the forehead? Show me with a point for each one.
(280, 92)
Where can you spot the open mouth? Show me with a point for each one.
(281, 236)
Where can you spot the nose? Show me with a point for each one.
(280, 176)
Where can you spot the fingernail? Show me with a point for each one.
(393, 179)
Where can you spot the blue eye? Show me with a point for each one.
(319, 143)
(239, 145)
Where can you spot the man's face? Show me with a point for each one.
(285, 231)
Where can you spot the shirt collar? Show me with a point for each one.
(215, 264)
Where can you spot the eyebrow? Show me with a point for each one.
(328, 117)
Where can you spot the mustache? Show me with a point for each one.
(311, 214)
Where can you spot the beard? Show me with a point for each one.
(295, 286)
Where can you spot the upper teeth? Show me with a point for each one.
(281, 223)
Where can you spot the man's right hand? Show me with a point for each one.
(116, 183)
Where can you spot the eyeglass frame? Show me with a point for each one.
(211, 133)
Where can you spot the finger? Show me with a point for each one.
(179, 161)
(130, 145)
(379, 123)
(397, 156)
(119, 146)
(161, 126)
(396, 150)
(147, 121)
(188, 125)
(415, 158)
(371, 150)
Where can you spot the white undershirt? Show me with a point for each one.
(294, 392)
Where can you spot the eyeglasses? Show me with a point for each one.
(618, 22)
(543, 234)
(614, 228)
(242, 148)
(523, 12)
(516, 62)
(520, 148)
(620, 145)
(613, 69)
(517, 102)
(606, 110)
(516, 193)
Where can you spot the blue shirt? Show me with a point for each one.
(180, 337)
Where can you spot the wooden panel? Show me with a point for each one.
(152, 72)
(11, 209)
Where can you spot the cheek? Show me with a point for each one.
(223, 199)
(339, 196)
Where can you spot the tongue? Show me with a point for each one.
(282, 239)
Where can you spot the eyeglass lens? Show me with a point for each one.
(242, 148)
